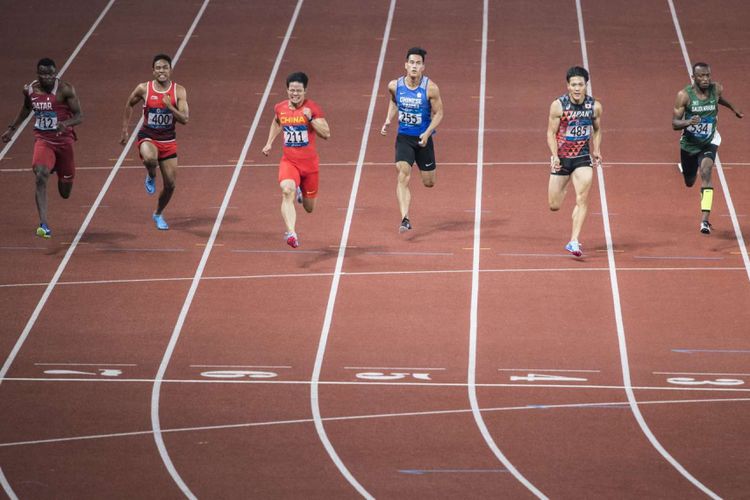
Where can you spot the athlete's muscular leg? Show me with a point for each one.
(42, 176)
(308, 204)
(403, 195)
(64, 188)
(558, 187)
(169, 178)
(582, 178)
(706, 169)
(428, 177)
(150, 156)
(288, 193)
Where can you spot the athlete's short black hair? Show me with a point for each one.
(700, 65)
(417, 51)
(577, 71)
(159, 57)
(297, 76)
(46, 61)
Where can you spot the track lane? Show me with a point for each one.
(557, 327)
(281, 318)
(662, 315)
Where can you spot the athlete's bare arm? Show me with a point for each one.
(436, 103)
(22, 114)
(392, 108)
(725, 103)
(596, 134)
(272, 133)
(320, 125)
(678, 114)
(139, 94)
(180, 112)
(553, 124)
(71, 99)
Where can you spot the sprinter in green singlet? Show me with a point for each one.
(695, 113)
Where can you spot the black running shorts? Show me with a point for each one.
(409, 151)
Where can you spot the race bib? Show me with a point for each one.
(702, 130)
(577, 131)
(159, 118)
(45, 120)
(295, 136)
(409, 118)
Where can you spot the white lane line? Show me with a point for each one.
(237, 366)
(326, 329)
(545, 370)
(418, 254)
(6, 486)
(427, 413)
(719, 169)
(390, 368)
(373, 273)
(432, 385)
(59, 74)
(372, 164)
(156, 388)
(473, 320)
(622, 343)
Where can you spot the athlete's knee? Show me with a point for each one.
(428, 182)
(690, 181)
(150, 163)
(554, 206)
(288, 190)
(169, 185)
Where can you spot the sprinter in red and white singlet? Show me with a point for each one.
(301, 119)
(164, 103)
(56, 111)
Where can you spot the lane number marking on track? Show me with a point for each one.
(543, 377)
(381, 376)
(101, 372)
(232, 374)
(693, 381)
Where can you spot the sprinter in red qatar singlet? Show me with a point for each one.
(300, 119)
(164, 103)
(56, 111)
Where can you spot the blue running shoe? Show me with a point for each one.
(44, 231)
(161, 224)
(299, 194)
(150, 184)
(574, 248)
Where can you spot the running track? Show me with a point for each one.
(469, 358)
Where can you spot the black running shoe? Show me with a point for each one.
(706, 227)
(405, 225)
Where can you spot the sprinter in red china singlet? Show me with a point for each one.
(300, 119)
(56, 111)
(164, 103)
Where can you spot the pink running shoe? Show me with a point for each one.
(291, 239)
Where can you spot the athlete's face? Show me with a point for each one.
(296, 92)
(162, 71)
(577, 88)
(702, 77)
(414, 66)
(46, 76)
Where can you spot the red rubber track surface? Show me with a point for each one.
(235, 401)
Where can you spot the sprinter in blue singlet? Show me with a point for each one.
(417, 101)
